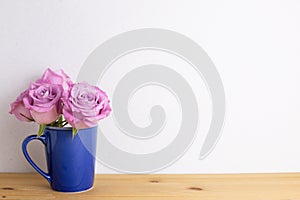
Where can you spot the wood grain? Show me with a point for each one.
(284, 186)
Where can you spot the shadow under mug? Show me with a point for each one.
(70, 162)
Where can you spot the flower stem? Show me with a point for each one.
(60, 121)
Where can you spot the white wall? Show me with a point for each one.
(255, 46)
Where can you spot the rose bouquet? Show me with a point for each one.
(54, 100)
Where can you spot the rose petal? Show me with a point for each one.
(45, 117)
(18, 108)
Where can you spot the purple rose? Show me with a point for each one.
(18, 108)
(44, 102)
(54, 94)
(58, 77)
(85, 105)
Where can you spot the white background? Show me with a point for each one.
(255, 46)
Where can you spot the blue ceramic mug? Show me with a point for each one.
(70, 162)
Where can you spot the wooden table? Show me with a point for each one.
(155, 186)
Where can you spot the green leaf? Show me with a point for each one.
(41, 129)
(74, 132)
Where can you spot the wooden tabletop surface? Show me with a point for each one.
(284, 186)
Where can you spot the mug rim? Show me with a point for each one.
(66, 128)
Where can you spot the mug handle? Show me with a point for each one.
(42, 138)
